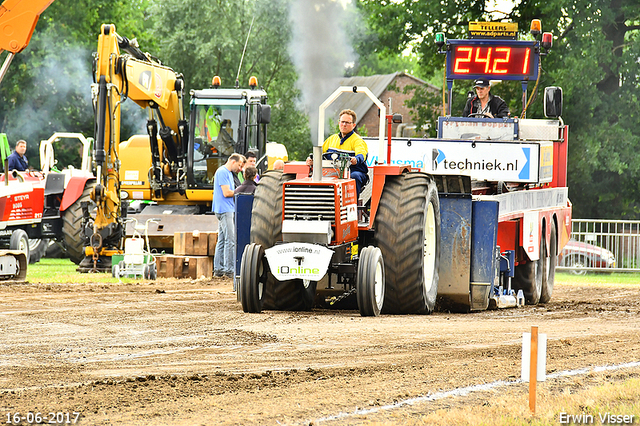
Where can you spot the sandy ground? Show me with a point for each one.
(183, 353)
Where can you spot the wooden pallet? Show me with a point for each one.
(195, 243)
(175, 266)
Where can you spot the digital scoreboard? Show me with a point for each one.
(493, 59)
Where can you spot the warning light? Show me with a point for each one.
(547, 40)
(215, 82)
(439, 40)
(536, 27)
(253, 82)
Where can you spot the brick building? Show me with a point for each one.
(367, 111)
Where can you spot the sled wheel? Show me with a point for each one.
(551, 261)
(145, 271)
(528, 278)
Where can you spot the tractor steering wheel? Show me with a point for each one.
(481, 114)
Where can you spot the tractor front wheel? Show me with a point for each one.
(19, 241)
(37, 249)
(253, 277)
(370, 284)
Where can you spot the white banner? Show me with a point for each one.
(482, 160)
(298, 261)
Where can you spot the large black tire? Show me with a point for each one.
(407, 231)
(266, 229)
(551, 261)
(56, 250)
(253, 278)
(290, 295)
(528, 278)
(266, 214)
(19, 241)
(37, 249)
(72, 225)
(370, 282)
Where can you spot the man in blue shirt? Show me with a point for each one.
(224, 208)
(17, 160)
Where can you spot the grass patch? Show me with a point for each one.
(63, 271)
(512, 407)
(604, 279)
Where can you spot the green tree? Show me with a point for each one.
(595, 61)
(203, 39)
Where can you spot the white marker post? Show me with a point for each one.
(534, 362)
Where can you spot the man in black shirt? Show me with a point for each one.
(484, 104)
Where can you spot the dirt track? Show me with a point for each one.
(183, 352)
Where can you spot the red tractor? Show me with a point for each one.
(306, 229)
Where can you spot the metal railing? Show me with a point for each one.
(602, 245)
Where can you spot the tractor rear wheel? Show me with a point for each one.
(37, 249)
(370, 282)
(253, 277)
(266, 214)
(407, 231)
(266, 229)
(72, 225)
(549, 275)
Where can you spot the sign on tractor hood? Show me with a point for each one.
(298, 261)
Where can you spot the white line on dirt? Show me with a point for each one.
(470, 389)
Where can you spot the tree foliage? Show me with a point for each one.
(203, 39)
(595, 59)
(48, 86)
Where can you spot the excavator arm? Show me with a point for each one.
(18, 19)
(135, 75)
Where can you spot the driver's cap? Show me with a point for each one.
(482, 82)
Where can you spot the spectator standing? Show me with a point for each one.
(238, 177)
(224, 208)
(252, 160)
(278, 164)
(249, 185)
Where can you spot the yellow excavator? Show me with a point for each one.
(167, 174)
